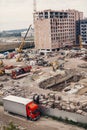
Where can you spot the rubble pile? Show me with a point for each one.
(84, 65)
(68, 103)
(12, 91)
(59, 81)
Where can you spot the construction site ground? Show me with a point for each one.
(29, 85)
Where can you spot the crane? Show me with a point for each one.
(19, 50)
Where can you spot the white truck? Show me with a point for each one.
(21, 106)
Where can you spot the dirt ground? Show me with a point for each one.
(42, 124)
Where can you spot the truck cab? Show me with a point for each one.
(33, 112)
(21, 106)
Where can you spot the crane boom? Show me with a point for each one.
(27, 32)
(19, 50)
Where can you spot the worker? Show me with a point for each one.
(36, 98)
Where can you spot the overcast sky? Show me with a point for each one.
(16, 14)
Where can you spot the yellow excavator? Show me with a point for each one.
(19, 58)
(19, 50)
(2, 70)
(57, 65)
(1, 63)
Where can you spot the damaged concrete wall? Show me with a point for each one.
(63, 114)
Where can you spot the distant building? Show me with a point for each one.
(81, 29)
(55, 29)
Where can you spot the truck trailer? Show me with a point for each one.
(21, 106)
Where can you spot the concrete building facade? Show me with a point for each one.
(81, 29)
(55, 29)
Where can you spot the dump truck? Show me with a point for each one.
(20, 72)
(21, 106)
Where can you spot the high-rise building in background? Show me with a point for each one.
(55, 29)
(81, 29)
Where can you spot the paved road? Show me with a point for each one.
(42, 124)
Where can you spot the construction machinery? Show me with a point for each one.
(2, 71)
(19, 50)
(1, 63)
(20, 72)
(57, 65)
(19, 58)
(42, 62)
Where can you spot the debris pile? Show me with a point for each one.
(68, 103)
(84, 65)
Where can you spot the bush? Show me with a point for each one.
(10, 126)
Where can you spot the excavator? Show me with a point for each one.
(19, 58)
(19, 50)
(1, 63)
(57, 65)
(2, 70)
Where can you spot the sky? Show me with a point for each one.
(17, 14)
